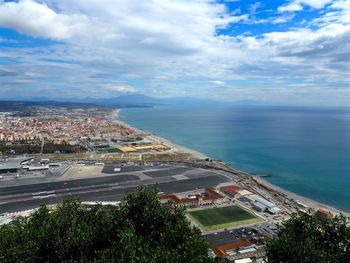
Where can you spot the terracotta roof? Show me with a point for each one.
(324, 212)
(173, 197)
(230, 189)
(212, 194)
(220, 251)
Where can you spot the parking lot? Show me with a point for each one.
(234, 235)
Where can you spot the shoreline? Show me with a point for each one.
(310, 203)
(178, 148)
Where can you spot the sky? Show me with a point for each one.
(294, 52)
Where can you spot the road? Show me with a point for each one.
(106, 188)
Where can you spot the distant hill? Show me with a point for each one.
(24, 106)
(139, 100)
(134, 100)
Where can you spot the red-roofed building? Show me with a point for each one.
(221, 251)
(210, 196)
(168, 199)
(323, 214)
(231, 190)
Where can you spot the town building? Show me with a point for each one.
(323, 214)
(230, 190)
(209, 197)
(239, 251)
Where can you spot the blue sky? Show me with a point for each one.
(283, 52)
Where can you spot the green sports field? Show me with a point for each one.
(222, 217)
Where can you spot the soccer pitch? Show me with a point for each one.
(222, 217)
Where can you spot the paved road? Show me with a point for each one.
(109, 188)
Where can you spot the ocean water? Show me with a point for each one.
(307, 151)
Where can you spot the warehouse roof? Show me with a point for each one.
(265, 202)
(274, 210)
(245, 192)
(260, 205)
(243, 260)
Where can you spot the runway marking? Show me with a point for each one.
(180, 177)
(117, 187)
(45, 196)
(44, 192)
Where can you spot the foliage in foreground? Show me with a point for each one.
(305, 238)
(140, 230)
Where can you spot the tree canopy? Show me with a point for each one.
(139, 230)
(308, 239)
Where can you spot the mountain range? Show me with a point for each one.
(138, 100)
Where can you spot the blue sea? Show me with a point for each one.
(306, 150)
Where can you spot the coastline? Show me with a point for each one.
(175, 147)
(304, 200)
(310, 203)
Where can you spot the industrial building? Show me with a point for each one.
(262, 205)
(274, 210)
(259, 207)
(27, 161)
(244, 192)
(8, 169)
(11, 165)
(244, 260)
(37, 168)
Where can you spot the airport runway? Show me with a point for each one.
(107, 188)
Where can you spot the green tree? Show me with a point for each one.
(139, 230)
(305, 238)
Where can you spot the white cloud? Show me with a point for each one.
(36, 19)
(121, 89)
(292, 7)
(315, 3)
(218, 83)
(282, 19)
(297, 5)
(172, 48)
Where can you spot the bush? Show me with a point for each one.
(305, 238)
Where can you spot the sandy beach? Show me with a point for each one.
(304, 200)
(175, 148)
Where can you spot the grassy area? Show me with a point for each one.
(110, 150)
(166, 157)
(222, 217)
